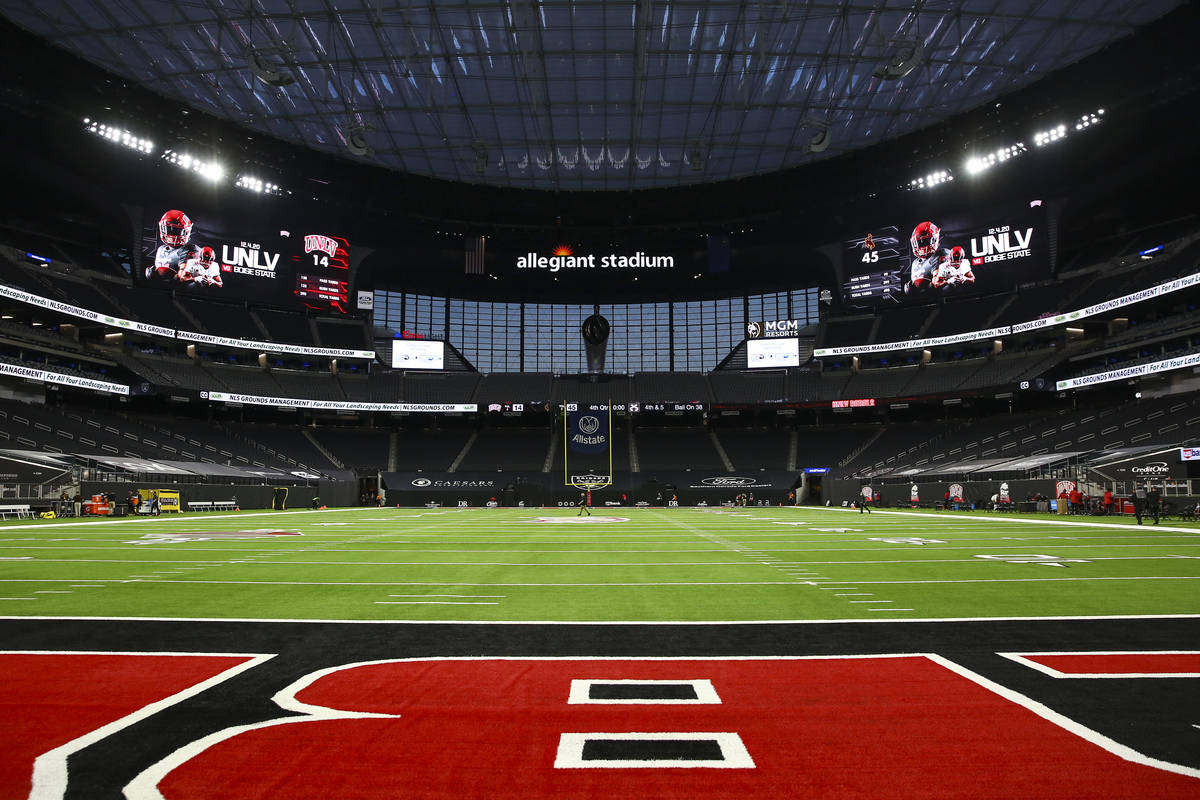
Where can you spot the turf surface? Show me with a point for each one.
(643, 565)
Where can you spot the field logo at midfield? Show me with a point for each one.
(1035, 558)
(578, 520)
(207, 536)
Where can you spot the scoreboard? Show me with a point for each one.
(875, 265)
(288, 263)
(927, 257)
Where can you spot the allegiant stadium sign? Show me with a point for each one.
(565, 258)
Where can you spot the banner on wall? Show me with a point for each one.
(338, 405)
(77, 381)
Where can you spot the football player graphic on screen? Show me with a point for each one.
(955, 270)
(175, 250)
(928, 256)
(202, 271)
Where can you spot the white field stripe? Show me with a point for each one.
(944, 517)
(261, 561)
(158, 581)
(576, 623)
(448, 595)
(18, 598)
(186, 519)
(1069, 725)
(50, 768)
(434, 603)
(1026, 660)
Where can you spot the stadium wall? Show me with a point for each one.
(550, 489)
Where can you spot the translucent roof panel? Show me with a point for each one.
(585, 94)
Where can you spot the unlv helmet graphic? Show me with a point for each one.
(925, 239)
(208, 256)
(175, 228)
(957, 253)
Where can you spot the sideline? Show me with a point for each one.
(945, 517)
(193, 517)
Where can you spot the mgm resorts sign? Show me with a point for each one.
(772, 329)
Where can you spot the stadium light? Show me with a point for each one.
(259, 186)
(1090, 119)
(978, 164)
(1043, 138)
(118, 136)
(211, 170)
(932, 179)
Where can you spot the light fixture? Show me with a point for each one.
(268, 73)
(356, 141)
(118, 136)
(977, 164)
(257, 185)
(931, 179)
(1043, 138)
(210, 170)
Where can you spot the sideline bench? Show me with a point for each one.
(211, 505)
(19, 511)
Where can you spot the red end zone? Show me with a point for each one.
(47, 700)
(869, 727)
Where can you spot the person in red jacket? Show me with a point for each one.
(1074, 499)
(1107, 502)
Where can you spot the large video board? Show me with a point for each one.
(921, 258)
(276, 264)
(772, 353)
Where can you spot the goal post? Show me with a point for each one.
(587, 445)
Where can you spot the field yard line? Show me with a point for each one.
(1042, 580)
(1013, 520)
(157, 580)
(641, 623)
(430, 603)
(449, 595)
(188, 519)
(320, 547)
(271, 562)
(24, 618)
(399, 583)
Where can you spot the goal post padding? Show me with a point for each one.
(587, 445)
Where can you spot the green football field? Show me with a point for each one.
(683, 564)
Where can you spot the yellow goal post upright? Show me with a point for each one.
(587, 439)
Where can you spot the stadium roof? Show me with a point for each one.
(584, 94)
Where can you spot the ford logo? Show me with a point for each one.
(728, 481)
(421, 482)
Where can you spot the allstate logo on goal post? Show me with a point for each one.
(587, 441)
